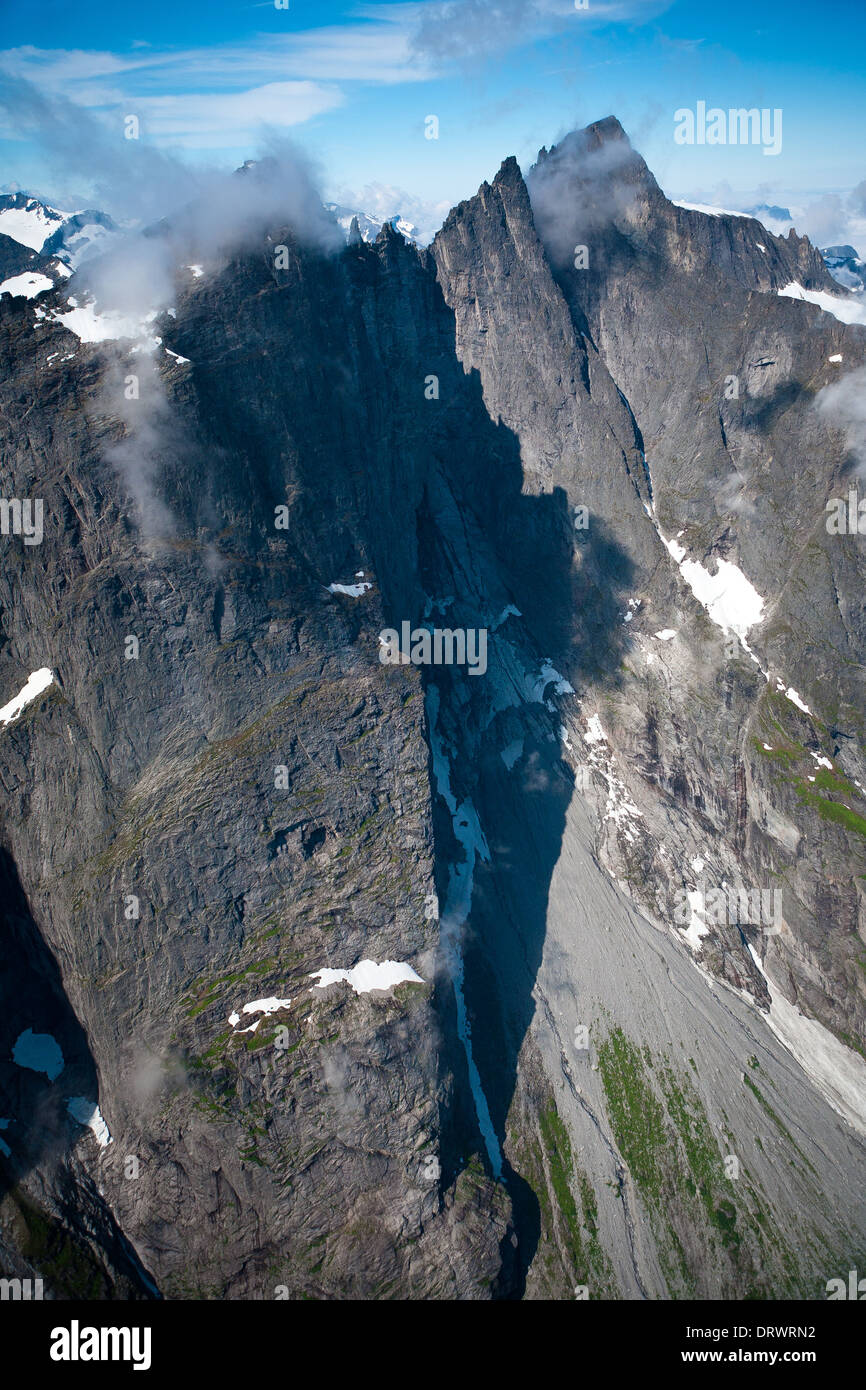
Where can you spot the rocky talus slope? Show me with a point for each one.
(224, 790)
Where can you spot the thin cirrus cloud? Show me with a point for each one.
(205, 120)
(210, 97)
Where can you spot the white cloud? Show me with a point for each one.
(381, 201)
(207, 121)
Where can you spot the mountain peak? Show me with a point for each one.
(509, 172)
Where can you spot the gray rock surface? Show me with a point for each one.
(279, 802)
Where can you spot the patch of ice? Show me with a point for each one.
(197, 271)
(176, 355)
(92, 326)
(38, 1052)
(535, 686)
(27, 285)
(619, 808)
(666, 634)
(792, 695)
(821, 760)
(697, 864)
(87, 1113)
(512, 753)
(234, 1018)
(709, 210)
(768, 747)
(509, 611)
(353, 590)
(37, 681)
(731, 601)
(697, 928)
(837, 357)
(266, 1006)
(367, 975)
(845, 310)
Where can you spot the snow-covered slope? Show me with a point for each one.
(72, 237)
(846, 266)
(27, 220)
(370, 227)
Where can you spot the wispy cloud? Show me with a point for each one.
(219, 95)
(445, 30)
(207, 95)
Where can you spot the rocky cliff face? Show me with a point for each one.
(224, 790)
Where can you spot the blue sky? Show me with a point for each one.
(353, 83)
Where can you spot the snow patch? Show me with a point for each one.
(666, 634)
(619, 808)
(37, 681)
(27, 285)
(535, 686)
(842, 309)
(508, 611)
(367, 975)
(30, 226)
(697, 927)
(92, 326)
(709, 210)
(266, 1006)
(594, 732)
(792, 695)
(88, 1113)
(731, 601)
(512, 753)
(353, 590)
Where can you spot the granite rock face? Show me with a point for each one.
(224, 790)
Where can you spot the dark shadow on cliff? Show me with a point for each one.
(40, 1133)
(485, 543)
